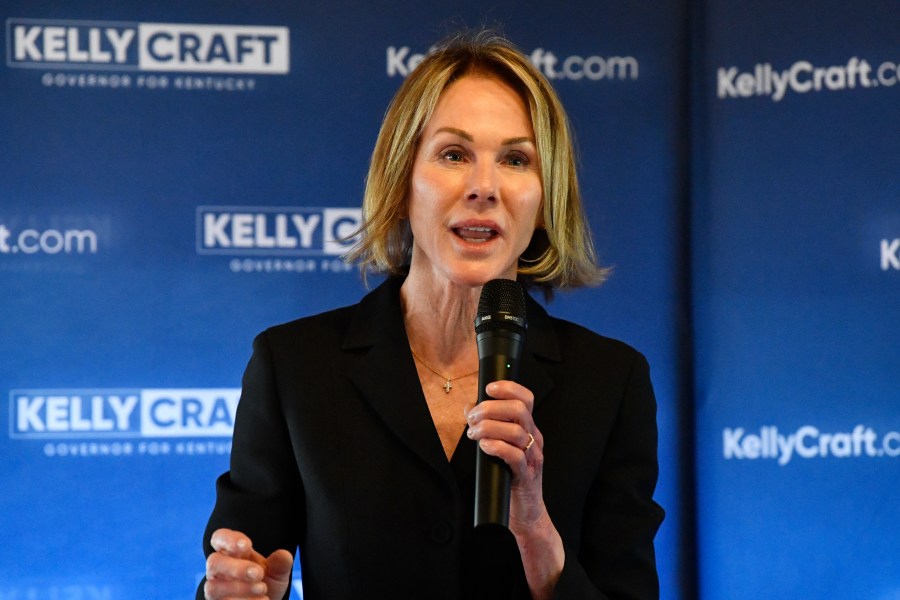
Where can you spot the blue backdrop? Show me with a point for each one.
(175, 175)
(797, 300)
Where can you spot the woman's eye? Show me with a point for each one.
(517, 160)
(452, 155)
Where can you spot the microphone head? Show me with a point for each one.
(501, 306)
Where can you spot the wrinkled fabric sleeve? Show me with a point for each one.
(262, 493)
(616, 560)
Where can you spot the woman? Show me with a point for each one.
(472, 179)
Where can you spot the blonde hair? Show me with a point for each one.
(561, 253)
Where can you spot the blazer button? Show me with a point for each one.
(441, 532)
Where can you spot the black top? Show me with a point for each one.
(335, 451)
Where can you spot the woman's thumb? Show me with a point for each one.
(278, 572)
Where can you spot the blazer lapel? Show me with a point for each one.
(541, 347)
(381, 367)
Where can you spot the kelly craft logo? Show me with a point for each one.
(803, 77)
(293, 231)
(279, 239)
(401, 61)
(166, 47)
(122, 413)
(807, 442)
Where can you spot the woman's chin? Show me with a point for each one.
(478, 275)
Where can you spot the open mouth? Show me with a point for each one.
(475, 235)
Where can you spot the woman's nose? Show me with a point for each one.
(483, 181)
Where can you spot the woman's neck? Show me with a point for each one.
(438, 316)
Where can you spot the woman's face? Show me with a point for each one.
(475, 193)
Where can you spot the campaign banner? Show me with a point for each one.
(180, 176)
(796, 281)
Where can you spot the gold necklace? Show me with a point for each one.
(447, 385)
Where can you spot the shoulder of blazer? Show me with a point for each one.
(307, 337)
(574, 345)
(356, 325)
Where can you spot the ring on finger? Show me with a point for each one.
(529, 444)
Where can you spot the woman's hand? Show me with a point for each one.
(504, 427)
(236, 571)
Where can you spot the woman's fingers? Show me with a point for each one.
(503, 427)
(222, 566)
(234, 543)
(511, 433)
(511, 403)
(510, 390)
(235, 569)
(215, 589)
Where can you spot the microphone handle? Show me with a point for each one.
(499, 353)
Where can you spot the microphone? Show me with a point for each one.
(500, 333)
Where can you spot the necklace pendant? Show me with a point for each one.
(447, 387)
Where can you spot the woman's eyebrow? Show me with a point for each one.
(468, 137)
(517, 140)
(457, 132)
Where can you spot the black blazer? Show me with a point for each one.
(334, 450)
